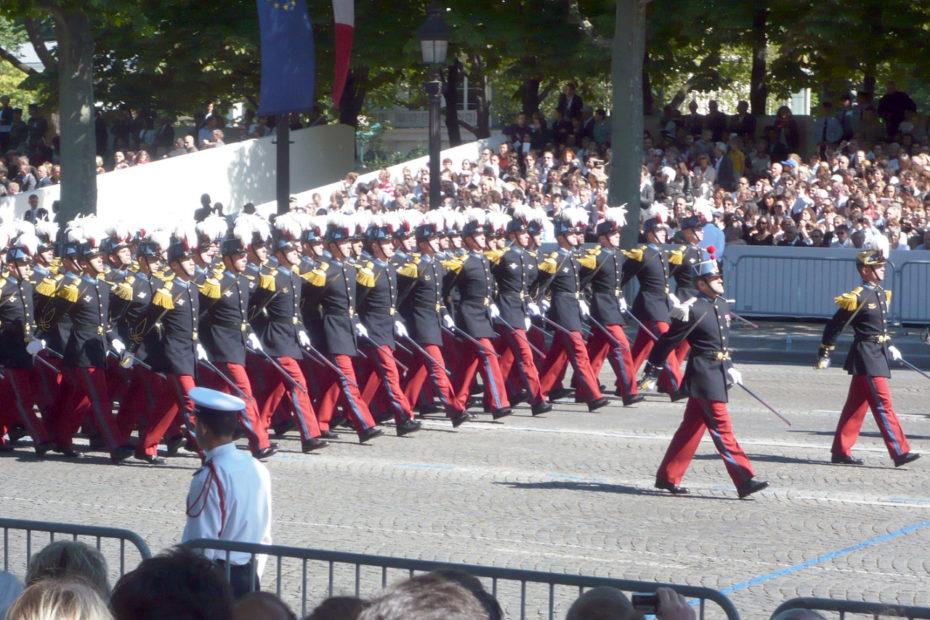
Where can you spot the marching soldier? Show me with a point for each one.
(471, 276)
(653, 301)
(333, 290)
(566, 309)
(705, 324)
(377, 309)
(19, 342)
(602, 271)
(282, 334)
(424, 313)
(516, 271)
(866, 309)
(681, 265)
(227, 334)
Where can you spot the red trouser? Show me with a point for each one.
(866, 392)
(518, 355)
(343, 388)
(567, 349)
(85, 392)
(384, 379)
(600, 346)
(250, 420)
(670, 377)
(149, 398)
(420, 367)
(712, 415)
(20, 388)
(49, 392)
(297, 398)
(482, 359)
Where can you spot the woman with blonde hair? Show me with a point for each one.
(59, 599)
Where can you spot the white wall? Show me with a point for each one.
(233, 175)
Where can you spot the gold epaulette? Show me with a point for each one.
(634, 254)
(317, 277)
(70, 292)
(366, 277)
(266, 281)
(494, 255)
(211, 288)
(163, 299)
(887, 297)
(409, 270)
(123, 290)
(48, 286)
(453, 264)
(849, 301)
(675, 257)
(550, 264)
(55, 265)
(588, 261)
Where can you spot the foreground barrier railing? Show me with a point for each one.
(314, 574)
(22, 539)
(858, 608)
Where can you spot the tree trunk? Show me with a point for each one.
(629, 46)
(480, 76)
(758, 87)
(353, 96)
(529, 96)
(648, 100)
(76, 92)
(451, 91)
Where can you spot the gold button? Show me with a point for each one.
(243, 326)
(391, 311)
(194, 336)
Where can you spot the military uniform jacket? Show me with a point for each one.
(90, 331)
(177, 308)
(278, 321)
(310, 312)
(225, 324)
(377, 301)
(601, 271)
(420, 285)
(141, 336)
(17, 322)
(516, 272)
(681, 263)
(332, 289)
(51, 310)
(867, 307)
(563, 270)
(121, 284)
(471, 276)
(647, 263)
(707, 330)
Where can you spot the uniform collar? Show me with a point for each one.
(653, 246)
(87, 278)
(230, 273)
(182, 283)
(226, 448)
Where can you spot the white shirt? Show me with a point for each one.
(230, 499)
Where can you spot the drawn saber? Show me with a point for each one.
(513, 330)
(765, 404)
(912, 367)
(285, 374)
(429, 357)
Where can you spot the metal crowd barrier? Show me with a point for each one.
(314, 574)
(22, 539)
(874, 610)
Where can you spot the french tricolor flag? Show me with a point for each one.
(344, 13)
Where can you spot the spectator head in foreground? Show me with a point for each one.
(178, 584)
(60, 599)
(10, 589)
(603, 603)
(424, 597)
(262, 606)
(798, 613)
(338, 608)
(69, 558)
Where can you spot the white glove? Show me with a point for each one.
(735, 376)
(201, 353)
(533, 309)
(254, 343)
(494, 310)
(621, 303)
(118, 346)
(126, 360)
(894, 353)
(303, 339)
(360, 331)
(400, 330)
(34, 346)
(583, 306)
(448, 321)
(672, 299)
(528, 322)
(544, 306)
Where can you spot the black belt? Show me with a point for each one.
(713, 355)
(238, 325)
(98, 330)
(877, 339)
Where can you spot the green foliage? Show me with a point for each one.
(11, 80)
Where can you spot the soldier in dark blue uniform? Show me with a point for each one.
(333, 290)
(424, 313)
(601, 270)
(706, 325)
(681, 266)
(649, 265)
(866, 309)
(566, 309)
(282, 333)
(377, 308)
(516, 271)
(20, 343)
(226, 333)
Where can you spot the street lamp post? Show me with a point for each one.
(434, 43)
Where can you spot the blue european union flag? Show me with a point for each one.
(288, 58)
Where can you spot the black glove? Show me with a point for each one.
(823, 358)
(650, 374)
